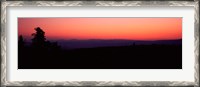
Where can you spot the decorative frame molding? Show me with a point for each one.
(5, 83)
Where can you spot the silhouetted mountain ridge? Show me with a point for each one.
(90, 43)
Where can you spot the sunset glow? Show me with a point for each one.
(103, 28)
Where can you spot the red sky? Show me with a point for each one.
(103, 28)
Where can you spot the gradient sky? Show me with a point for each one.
(103, 28)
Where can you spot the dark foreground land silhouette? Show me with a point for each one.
(125, 57)
(44, 54)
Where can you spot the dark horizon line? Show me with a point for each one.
(49, 39)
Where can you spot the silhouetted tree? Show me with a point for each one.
(38, 38)
(21, 42)
(53, 47)
(133, 44)
(41, 45)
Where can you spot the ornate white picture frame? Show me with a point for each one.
(6, 6)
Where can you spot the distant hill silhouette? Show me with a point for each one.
(72, 44)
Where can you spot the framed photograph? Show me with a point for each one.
(100, 43)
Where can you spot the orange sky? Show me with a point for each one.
(104, 28)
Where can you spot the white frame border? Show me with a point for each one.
(4, 82)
